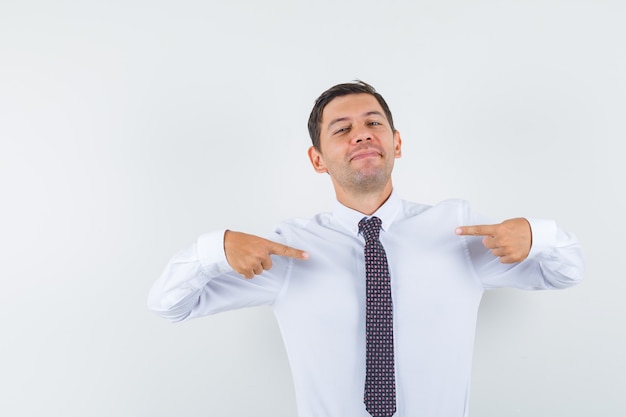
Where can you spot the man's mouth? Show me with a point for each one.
(368, 153)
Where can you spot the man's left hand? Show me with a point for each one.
(510, 240)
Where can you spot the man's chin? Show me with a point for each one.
(371, 180)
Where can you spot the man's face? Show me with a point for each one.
(357, 145)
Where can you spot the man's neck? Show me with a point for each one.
(366, 203)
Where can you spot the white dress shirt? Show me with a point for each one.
(437, 280)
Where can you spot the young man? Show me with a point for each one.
(376, 300)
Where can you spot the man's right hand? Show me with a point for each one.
(249, 255)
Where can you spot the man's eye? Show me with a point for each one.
(375, 123)
(341, 130)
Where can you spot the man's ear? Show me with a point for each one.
(397, 144)
(316, 160)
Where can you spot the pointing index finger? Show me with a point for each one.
(284, 250)
(478, 230)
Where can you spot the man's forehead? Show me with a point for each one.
(350, 105)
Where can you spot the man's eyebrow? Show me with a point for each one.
(343, 119)
(337, 120)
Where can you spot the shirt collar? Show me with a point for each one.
(349, 218)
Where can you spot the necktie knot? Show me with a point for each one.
(370, 228)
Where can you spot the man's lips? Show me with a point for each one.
(369, 153)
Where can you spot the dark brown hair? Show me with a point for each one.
(356, 87)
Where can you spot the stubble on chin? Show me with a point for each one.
(370, 179)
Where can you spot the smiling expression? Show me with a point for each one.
(357, 145)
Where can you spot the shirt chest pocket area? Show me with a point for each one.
(330, 286)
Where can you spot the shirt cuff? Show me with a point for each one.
(210, 253)
(544, 236)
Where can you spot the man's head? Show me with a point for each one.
(339, 90)
(356, 142)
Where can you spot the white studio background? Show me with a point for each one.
(127, 128)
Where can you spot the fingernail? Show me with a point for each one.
(458, 231)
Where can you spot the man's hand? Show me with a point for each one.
(510, 240)
(249, 255)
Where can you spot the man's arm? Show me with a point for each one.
(208, 277)
(523, 253)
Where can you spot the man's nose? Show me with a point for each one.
(361, 135)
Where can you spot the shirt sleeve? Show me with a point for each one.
(555, 259)
(198, 281)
